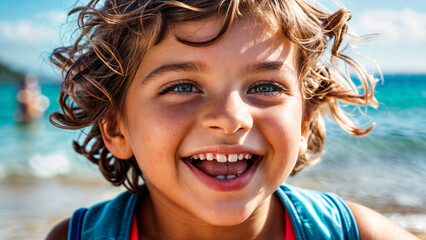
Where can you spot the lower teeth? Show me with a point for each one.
(226, 177)
(222, 177)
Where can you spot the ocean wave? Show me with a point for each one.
(49, 165)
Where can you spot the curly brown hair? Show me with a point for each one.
(114, 35)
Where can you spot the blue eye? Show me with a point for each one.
(183, 88)
(263, 89)
(180, 87)
(267, 88)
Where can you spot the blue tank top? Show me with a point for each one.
(314, 215)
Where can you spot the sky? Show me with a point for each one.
(30, 30)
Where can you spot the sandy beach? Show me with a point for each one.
(31, 207)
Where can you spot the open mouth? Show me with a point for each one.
(223, 166)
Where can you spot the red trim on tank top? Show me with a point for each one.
(289, 230)
(134, 229)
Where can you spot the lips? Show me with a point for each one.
(224, 172)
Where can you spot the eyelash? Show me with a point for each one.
(171, 88)
(278, 88)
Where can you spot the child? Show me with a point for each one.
(202, 109)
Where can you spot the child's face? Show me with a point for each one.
(238, 96)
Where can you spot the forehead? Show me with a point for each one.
(250, 39)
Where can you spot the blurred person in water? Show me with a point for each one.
(31, 102)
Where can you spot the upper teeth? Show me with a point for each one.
(222, 157)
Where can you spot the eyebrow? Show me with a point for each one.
(174, 67)
(266, 66)
(199, 67)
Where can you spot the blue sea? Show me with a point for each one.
(384, 170)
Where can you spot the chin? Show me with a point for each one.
(227, 220)
(226, 215)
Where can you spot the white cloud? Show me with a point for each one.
(42, 28)
(394, 26)
(27, 32)
(55, 17)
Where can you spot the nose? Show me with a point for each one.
(227, 114)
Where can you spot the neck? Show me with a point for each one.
(157, 220)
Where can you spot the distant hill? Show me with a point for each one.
(8, 74)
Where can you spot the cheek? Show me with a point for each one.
(283, 135)
(155, 134)
(282, 123)
(281, 127)
(155, 123)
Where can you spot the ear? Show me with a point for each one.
(303, 145)
(114, 139)
(303, 142)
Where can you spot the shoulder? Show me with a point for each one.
(59, 231)
(373, 225)
(114, 214)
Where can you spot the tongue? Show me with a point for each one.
(214, 168)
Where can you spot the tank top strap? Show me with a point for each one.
(316, 215)
(74, 229)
